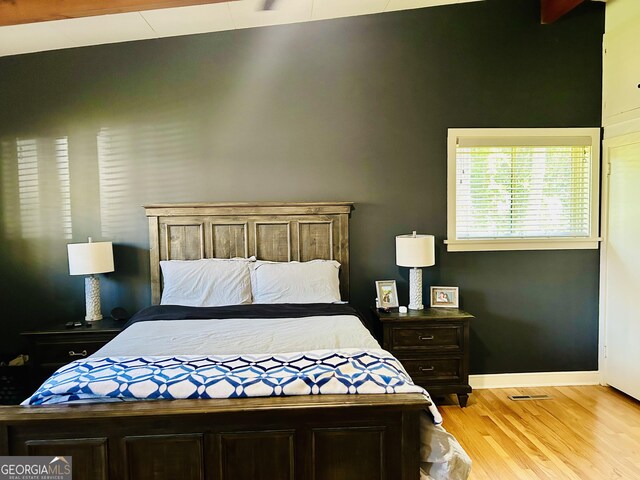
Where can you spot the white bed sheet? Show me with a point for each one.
(239, 335)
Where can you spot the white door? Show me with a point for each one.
(621, 275)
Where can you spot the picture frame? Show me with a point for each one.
(444, 297)
(387, 293)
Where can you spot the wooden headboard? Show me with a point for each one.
(280, 232)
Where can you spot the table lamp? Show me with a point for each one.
(415, 251)
(90, 259)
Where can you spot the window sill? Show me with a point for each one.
(528, 244)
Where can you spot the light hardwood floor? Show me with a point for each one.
(582, 433)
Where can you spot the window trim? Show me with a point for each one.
(527, 243)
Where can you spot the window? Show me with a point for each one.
(523, 189)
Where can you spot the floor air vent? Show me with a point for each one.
(530, 397)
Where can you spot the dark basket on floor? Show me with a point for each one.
(13, 384)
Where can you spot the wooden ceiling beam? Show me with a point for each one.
(15, 12)
(552, 10)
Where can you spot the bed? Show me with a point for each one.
(325, 436)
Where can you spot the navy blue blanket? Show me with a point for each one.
(280, 310)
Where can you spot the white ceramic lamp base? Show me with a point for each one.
(415, 289)
(92, 298)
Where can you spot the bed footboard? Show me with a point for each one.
(335, 437)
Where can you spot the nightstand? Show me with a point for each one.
(433, 346)
(51, 348)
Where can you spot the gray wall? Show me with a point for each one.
(351, 109)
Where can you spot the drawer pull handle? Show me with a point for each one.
(426, 369)
(83, 353)
(428, 337)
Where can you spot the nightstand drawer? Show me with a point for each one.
(442, 338)
(434, 370)
(54, 355)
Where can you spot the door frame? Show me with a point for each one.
(607, 145)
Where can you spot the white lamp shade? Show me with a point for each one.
(90, 258)
(415, 250)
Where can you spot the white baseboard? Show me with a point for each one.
(535, 379)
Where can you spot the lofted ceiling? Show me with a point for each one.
(36, 25)
(28, 25)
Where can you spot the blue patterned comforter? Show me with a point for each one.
(317, 372)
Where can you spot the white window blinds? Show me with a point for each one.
(523, 186)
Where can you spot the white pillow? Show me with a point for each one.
(209, 282)
(295, 282)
